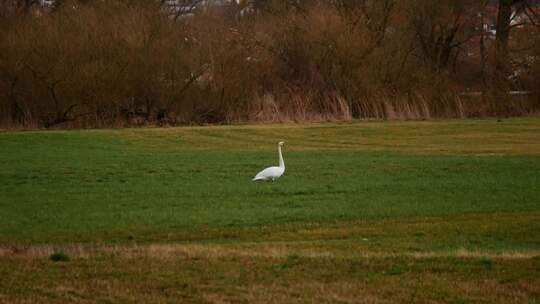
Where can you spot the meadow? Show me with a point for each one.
(367, 212)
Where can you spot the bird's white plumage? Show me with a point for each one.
(272, 173)
(269, 173)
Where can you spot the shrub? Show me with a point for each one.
(59, 257)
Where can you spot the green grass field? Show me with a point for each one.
(367, 212)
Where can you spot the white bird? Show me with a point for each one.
(272, 173)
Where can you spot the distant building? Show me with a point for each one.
(46, 3)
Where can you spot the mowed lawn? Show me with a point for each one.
(367, 212)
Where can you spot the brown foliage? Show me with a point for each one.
(118, 63)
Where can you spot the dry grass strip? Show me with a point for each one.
(273, 250)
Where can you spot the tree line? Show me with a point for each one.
(125, 62)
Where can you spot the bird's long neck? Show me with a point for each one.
(281, 163)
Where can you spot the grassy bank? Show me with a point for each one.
(369, 212)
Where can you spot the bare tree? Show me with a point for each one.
(504, 18)
(510, 16)
(441, 31)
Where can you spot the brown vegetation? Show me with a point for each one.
(118, 63)
(353, 262)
